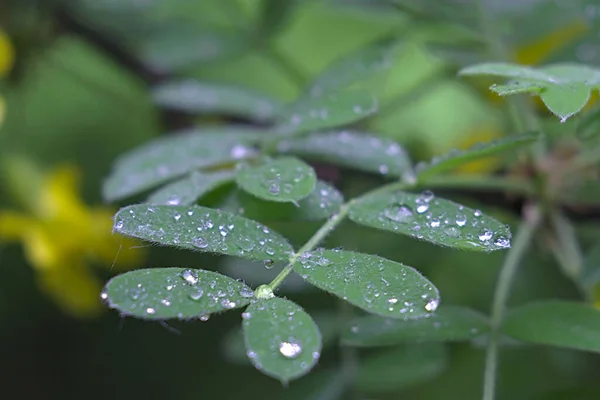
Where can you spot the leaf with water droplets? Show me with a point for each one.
(215, 98)
(565, 101)
(516, 87)
(203, 229)
(234, 347)
(456, 158)
(426, 217)
(352, 149)
(282, 340)
(184, 47)
(398, 368)
(323, 202)
(285, 179)
(188, 190)
(177, 154)
(164, 293)
(556, 323)
(328, 111)
(373, 283)
(448, 323)
(356, 67)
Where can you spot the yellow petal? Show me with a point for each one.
(485, 165)
(7, 54)
(73, 288)
(59, 196)
(14, 226)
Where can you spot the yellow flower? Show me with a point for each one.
(61, 236)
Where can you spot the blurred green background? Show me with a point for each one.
(71, 98)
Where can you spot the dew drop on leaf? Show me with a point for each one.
(190, 276)
(432, 305)
(200, 243)
(485, 235)
(290, 349)
(197, 294)
(269, 263)
(399, 213)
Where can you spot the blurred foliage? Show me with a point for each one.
(79, 81)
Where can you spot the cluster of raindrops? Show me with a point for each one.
(381, 286)
(201, 228)
(426, 217)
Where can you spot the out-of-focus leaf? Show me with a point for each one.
(176, 154)
(202, 229)
(402, 367)
(282, 340)
(589, 124)
(351, 149)
(448, 323)
(182, 47)
(556, 323)
(425, 217)
(590, 273)
(516, 87)
(328, 111)
(274, 15)
(323, 202)
(456, 158)
(163, 293)
(356, 67)
(285, 179)
(215, 98)
(188, 190)
(565, 100)
(235, 349)
(372, 283)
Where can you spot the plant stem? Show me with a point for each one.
(313, 242)
(532, 218)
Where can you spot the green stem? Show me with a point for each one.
(532, 218)
(313, 242)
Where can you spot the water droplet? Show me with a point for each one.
(177, 217)
(246, 292)
(355, 329)
(324, 262)
(240, 151)
(104, 296)
(392, 300)
(134, 294)
(427, 196)
(197, 294)
(150, 310)
(204, 317)
(228, 304)
(274, 188)
(269, 263)
(432, 305)
(290, 349)
(435, 223)
(190, 276)
(421, 208)
(451, 231)
(502, 241)
(461, 219)
(200, 243)
(399, 213)
(477, 213)
(246, 315)
(119, 225)
(165, 302)
(485, 235)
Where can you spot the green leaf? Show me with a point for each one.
(188, 190)
(589, 124)
(352, 149)
(373, 283)
(590, 271)
(285, 179)
(163, 293)
(556, 74)
(448, 323)
(202, 229)
(184, 47)
(565, 100)
(457, 158)
(215, 98)
(516, 87)
(399, 368)
(328, 111)
(176, 154)
(431, 219)
(282, 340)
(235, 349)
(275, 14)
(556, 323)
(355, 67)
(323, 202)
